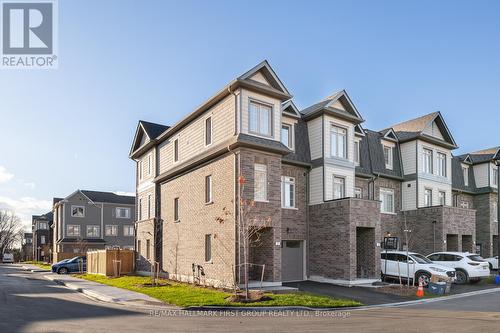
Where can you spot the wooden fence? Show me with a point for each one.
(58, 256)
(110, 262)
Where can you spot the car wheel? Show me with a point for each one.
(462, 277)
(62, 270)
(424, 277)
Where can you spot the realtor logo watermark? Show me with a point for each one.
(28, 34)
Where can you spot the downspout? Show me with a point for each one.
(237, 167)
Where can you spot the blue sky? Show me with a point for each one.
(121, 61)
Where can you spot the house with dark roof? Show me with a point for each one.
(91, 220)
(27, 247)
(41, 227)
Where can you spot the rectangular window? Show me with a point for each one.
(122, 213)
(260, 182)
(139, 169)
(260, 118)
(176, 209)
(465, 172)
(77, 211)
(140, 209)
(93, 231)
(338, 137)
(73, 230)
(442, 198)
(427, 161)
(494, 214)
(427, 197)
(149, 206)
(208, 189)
(148, 249)
(464, 204)
(356, 152)
(42, 225)
(286, 135)
(387, 200)
(139, 247)
(495, 177)
(208, 131)
(208, 248)
(288, 192)
(111, 230)
(358, 192)
(441, 164)
(128, 230)
(338, 187)
(42, 239)
(176, 150)
(388, 158)
(150, 164)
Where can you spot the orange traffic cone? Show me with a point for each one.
(420, 290)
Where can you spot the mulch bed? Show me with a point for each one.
(254, 296)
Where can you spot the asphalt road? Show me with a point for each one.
(29, 303)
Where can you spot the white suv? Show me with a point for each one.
(469, 266)
(395, 264)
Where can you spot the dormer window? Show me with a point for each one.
(338, 144)
(388, 158)
(356, 152)
(260, 119)
(287, 135)
(465, 172)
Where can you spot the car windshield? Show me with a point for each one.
(420, 259)
(475, 257)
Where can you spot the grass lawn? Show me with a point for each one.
(184, 295)
(38, 263)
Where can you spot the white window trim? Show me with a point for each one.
(390, 163)
(211, 131)
(382, 208)
(346, 145)
(126, 208)
(288, 180)
(344, 194)
(130, 227)
(115, 226)
(173, 151)
(357, 152)
(431, 171)
(76, 206)
(465, 172)
(439, 196)
(445, 171)
(93, 226)
(271, 118)
(360, 190)
(73, 234)
(494, 177)
(429, 190)
(291, 135)
(265, 197)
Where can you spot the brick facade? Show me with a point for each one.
(486, 224)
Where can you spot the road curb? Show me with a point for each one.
(35, 270)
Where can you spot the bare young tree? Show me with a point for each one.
(11, 230)
(250, 227)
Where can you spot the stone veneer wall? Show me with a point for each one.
(332, 238)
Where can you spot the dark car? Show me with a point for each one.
(73, 265)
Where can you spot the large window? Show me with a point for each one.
(427, 197)
(465, 172)
(73, 230)
(427, 161)
(122, 212)
(387, 200)
(260, 118)
(260, 182)
(77, 211)
(128, 230)
(388, 157)
(441, 164)
(208, 189)
(356, 152)
(111, 230)
(442, 198)
(208, 131)
(93, 231)
(338, 137)
(338, 187)
(288, 192)
(176, 209)
(286, 135)
(208, 248)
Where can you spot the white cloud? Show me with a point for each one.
(25, 207)
(130, 194)
(4, 175)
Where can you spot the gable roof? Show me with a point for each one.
(290, 109)
(358, 130)
(328, 106)
(269, 74)
(481, 156)
(109, 197)
(152, 132)
(389, 134)
(414, 128)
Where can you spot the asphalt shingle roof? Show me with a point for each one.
(110, 197)
(153, 130)
(372, 159)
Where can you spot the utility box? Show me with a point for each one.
(439, 288)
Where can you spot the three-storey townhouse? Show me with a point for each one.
(41, 227)
(91, 220)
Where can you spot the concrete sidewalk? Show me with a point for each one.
(33, 268)
(105, 293)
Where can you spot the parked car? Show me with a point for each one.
(493, 261)
(73, 265)
(395, 264)
(469, 266)
(8, 258)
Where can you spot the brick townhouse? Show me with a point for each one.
(323, 190)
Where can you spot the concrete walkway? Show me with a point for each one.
(105, 293)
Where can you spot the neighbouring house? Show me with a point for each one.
(41, 226)
(27, 247)
(91, 220)
(475, 186)
(322, 190)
